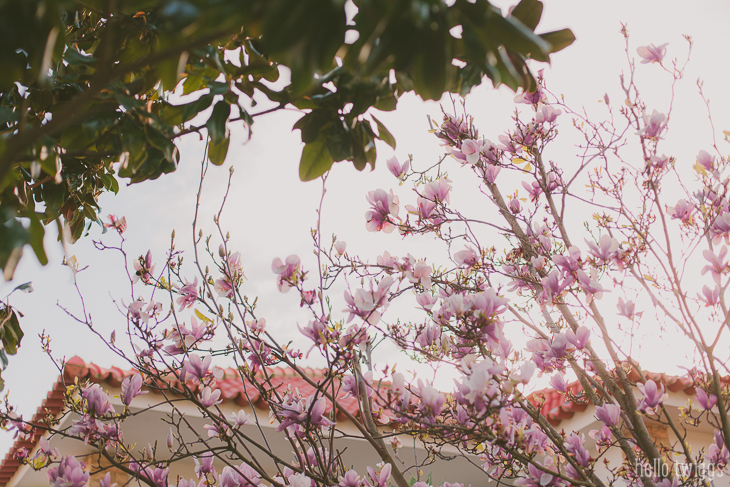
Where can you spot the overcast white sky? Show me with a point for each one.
(270, 211)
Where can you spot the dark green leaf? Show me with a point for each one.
(528, 12)
(384, 134)
(217, 150)
(37, 233)
(217, 122)
(315, 160)
(559, 39)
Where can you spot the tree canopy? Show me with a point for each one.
(86, 84)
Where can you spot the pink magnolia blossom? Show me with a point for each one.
(470, 151)
(514, 206)
(682, 211)
(654, 125)
(367, 303)
(652, 396)
(143, 268)
(575, 444)
(97, 400)
(710, 296)
(547, 114)
(533, 189)
(537, 96)
(340, 247)
(209, 397)
(580, 338)
(118, 224)
(188, 294)
(384, 209)
(627, 309)
(590, 285)
(184, 339)
(432, 401)
(706, 401)
(658, 162)
(196, 366)
(242, 476)
(131, 388)
(652, 53)
(380, 480)
(351, 479)
(721, 229)
(606, 250)
(557, 382)
(397, 169)
(438, 190)
(204, 465)
(69, 473)
(490, 172)
(421, 274)
(608, 414)
(466, 258)
(286, 271)
(706, 160)
(106, 481)
(717, 263)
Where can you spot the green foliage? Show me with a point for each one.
(86, 93)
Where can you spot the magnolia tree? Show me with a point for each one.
(547, 276)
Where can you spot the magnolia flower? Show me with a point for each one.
(204, 466)
(118, 224)
(143, 268)
(351, 479)
(384, 206)
(396, 169)
(706, 160)
(471, 149)
(209, 397)
(467, 257)
(340, 247)
(653, 396)
(609, 414)
(627, 309)
(97, 400)
(547, 114)
(710, 296)
(654, 124)
(707, 402)
(490, 172)
(579, 339)
(69, 473)
(717, 264)
(196, 366)
(131, 388)
(514, 206)
(652, 53)
(380, 480)
(557, 382)
(106, 481)
(188, 294)
(682, 211)
(437, 191)
(287, 272)
(721, 228)
(537, 96)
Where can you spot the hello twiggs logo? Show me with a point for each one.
(681, 470)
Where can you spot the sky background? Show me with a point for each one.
(270, 212)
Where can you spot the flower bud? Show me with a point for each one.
(221, 251)
(170, 440)
(173, 234)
